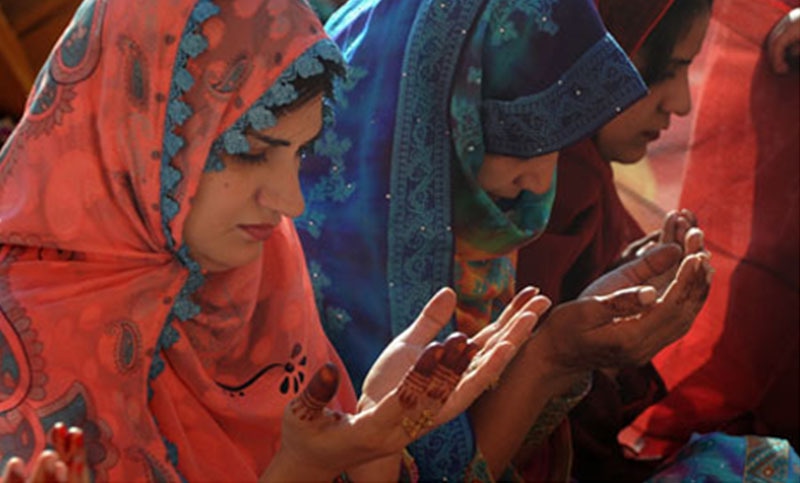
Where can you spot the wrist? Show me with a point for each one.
(555, 378)
(287, 467)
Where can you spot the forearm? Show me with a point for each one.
(502, 417)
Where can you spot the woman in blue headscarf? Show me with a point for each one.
(440, 165)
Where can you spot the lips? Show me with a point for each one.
(258, 232)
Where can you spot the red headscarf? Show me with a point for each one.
(588, 225)
(105, 323)
(737, 369)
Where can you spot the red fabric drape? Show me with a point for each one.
(737, 369)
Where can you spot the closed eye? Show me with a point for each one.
(253, 158)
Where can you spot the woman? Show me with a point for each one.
(589, 227)
(152, 289)
(438, 167)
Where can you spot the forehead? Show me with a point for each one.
(690, 43)
(299, 123)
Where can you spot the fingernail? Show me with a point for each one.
(324, 384)
(74, 442)
(647, 295)
(429, 359)
(59, 434)
(454, 347)
(466, 357)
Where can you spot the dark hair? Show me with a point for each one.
(309, 87)
(673, 27)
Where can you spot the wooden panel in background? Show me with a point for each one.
(30, 29)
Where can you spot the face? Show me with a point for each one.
(506, 176)
(236, 209)
(625, 138)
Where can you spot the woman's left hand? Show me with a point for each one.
(67, 464)
(411, 390)
(507, 334)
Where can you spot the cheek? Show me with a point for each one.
(492, 175)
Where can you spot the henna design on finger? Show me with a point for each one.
(58, 437)
(414, 428)
(76, 453)
(417, 378)
(457, 357)
(319, 392)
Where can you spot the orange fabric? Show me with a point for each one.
(739, 362)
(87, 281)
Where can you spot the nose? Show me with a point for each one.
(282, 195)
(678, 98)
(536, 174)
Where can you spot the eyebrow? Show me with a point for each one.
(269, 139)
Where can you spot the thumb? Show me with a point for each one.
(627, 302)
(309, 405)
(433, 318)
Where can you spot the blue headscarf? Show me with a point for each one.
(432, 86)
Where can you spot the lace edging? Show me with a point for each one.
(525, 127)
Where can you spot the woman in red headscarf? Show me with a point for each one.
(153, 291)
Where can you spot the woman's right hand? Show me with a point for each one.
(411, 389)
(783, 43)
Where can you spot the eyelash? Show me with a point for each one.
(261, 157)
(253, 158)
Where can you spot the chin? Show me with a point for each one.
(231, 261)
(631, 156)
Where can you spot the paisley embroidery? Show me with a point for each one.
(232, 77)
(21, 364)
(74, 60)
(136, 73)
(51, 102)
(14, 378)
(79, 52)
(19, 435)
(127, 349)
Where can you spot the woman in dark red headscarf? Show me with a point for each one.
(589, 227)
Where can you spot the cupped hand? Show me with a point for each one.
(679, 229)
(413, 387)
(65, 464)
(783, 42)
(630, 324)
(507, 333)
